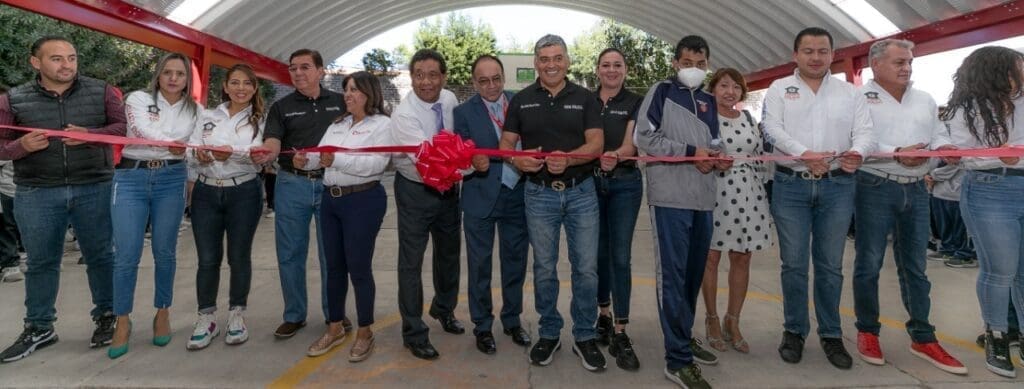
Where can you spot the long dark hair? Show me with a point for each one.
(984, 87)
(257, 100)
(369, 85)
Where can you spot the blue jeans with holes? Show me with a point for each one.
(547, 211)
(811, 218)
(43, 215)
(885, 207)
(994, 214)
(141, 196)
(619, 199)
(296, 201)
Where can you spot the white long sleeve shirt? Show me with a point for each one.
(962, 138)
(355, 168)
(157, 120)
(797, 120)
(216, 127)
(913, 120)
(414, 122)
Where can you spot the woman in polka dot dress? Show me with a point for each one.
(741, 214)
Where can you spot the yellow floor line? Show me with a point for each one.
(307, 366)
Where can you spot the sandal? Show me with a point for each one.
(735, 340)
(711, 321)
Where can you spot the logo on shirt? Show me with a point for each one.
(332, 109)
(208, 127)
(154, 112)
(290, 114)
(792, 93)
(703, 107)
(872, 97)
(577, 107)
(525, 106)
(623, 113)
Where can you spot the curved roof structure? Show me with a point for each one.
(746, 34)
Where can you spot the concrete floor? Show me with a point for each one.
(264, 361)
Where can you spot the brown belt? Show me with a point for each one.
(338, 191)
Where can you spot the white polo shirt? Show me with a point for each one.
(413, 122)
(834, 119)
(963, 139)
(218, 128)
(355, 168)
(913, 120)
(157, 120)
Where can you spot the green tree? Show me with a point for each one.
(649, 58)
(378, 61)
(125, 64)
(401, 54)
(460, 40)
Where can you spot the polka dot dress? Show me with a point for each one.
(742, 220)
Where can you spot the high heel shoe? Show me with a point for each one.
(736, 341)
(711, 321)
(161, 340)
(115, 352)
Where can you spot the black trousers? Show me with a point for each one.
(233, 211)
(8, 234)
(426, 213)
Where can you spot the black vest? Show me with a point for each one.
(81, 105)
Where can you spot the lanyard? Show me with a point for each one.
(504, 110)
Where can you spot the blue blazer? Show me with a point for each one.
(479, 190)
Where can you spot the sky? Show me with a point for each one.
(507, 22)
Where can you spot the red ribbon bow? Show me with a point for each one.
(439, 161)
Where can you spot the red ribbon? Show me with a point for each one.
(441, 160)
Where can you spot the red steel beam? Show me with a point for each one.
(127, 21)
(985, 25)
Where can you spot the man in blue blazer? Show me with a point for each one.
(492, 196)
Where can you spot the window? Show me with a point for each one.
(526, 75)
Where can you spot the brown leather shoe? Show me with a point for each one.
(288, 329)
(361, 349)
(326, 342)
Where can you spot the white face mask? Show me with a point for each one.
(691, 77)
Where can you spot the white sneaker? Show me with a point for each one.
(270, 214)
(237, 333)
(12, 274)
(206, 329)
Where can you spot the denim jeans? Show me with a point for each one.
(994, 214)
(156, 196)
(619, 200)
(351, 223)
(43, 215)
(296, 201)
(885, 207)
(949, 226)
(233, 211)
(821, 209)
(547, 211)
(8, 234)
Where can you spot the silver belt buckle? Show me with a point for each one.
(220, 182)
(558, 185)
(154, 164)
(807, 175)
(336, 191)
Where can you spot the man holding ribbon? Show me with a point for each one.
(492, 197)
(557, 116)
(423, 211)
(892, 197)
(61, 180)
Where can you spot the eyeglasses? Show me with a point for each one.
(489, 81)
(431, 76)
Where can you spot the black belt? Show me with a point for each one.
(808, 175)
(338, 191)
(128, 163)
(1002, 171)
(310, 174)
(560, 184)
(619, 171)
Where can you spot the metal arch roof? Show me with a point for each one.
(745, 34)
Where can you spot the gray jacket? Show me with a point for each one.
(947, 182)
(674, 121)
(7, 186)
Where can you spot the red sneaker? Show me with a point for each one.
(868, 348)
(934, 353)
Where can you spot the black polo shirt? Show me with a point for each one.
(554, 122)
(616, 115)
(299, 121)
